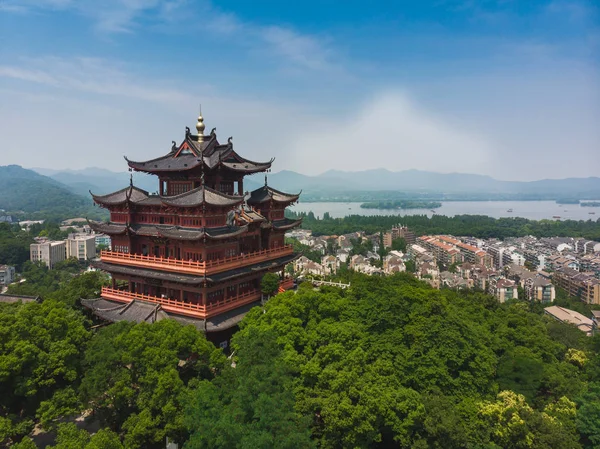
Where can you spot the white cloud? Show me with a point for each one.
(92, 75)
(393, 132)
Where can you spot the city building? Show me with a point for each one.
(569, 316)
(444, 253)
(7, 274)
(81, 246)
(504, 289)
(102, 239)
(585, 286)
(197, 250)
(48, 252)
(405, 233)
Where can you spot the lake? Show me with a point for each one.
(534, 210)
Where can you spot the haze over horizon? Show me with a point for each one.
(496, 88)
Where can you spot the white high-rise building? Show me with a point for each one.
(48, 252)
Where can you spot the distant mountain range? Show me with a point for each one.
(39, 189)
(29, 192)
(422, 182)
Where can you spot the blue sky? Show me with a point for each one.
(501, 87)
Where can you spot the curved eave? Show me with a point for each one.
(209, 196)
(108, 228)
(246, 167)
(175, 233)
(287, 225)
(120, 196)
(267, 194)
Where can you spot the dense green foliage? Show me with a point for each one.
(389, 362)
(269, 284)
(393, 362)
(14, 245)
(41, 346)
(401, 204)
(135, 376)
(472, 225)
(250, 405)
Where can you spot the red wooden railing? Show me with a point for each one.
(192, 266)
(190, 309)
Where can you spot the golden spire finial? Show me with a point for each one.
(200, 126)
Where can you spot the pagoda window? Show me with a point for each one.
(121, 248)
(177, 188)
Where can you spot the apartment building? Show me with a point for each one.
(444, 253)
(7, 274)
(81, 246)
(102, 239)
(504, 289)
(582, 285)
(470, 253)
(405, 233)
(48, 252)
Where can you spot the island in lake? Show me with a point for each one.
(401, 204)
(590, 204)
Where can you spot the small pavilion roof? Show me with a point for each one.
(191, 153)
(129, 193)
(266, 193)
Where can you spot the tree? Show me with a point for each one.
(41, 348)
(269, 284)
(399, 244)
(251, 405)
(136, 374)
(411, 266)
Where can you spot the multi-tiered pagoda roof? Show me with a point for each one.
(196, 250)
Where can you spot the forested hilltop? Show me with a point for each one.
(480, 226)
(32, 196)
(390, 362)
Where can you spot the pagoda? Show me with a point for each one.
(197, 249)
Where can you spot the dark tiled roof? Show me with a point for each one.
(9, 299)
(131, 193)
(172, 232)
(251, 216)
(266, 193)
(137, 311)
(248, 167)
(108, 228)
(195, 197)
(196, 234)
(210, 152)
(191, 279)
(142, 311)
(188, 279)
(258, 267)
(201, 195)
(286, 223)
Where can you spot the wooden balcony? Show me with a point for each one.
(181, 307)
(191, 266)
